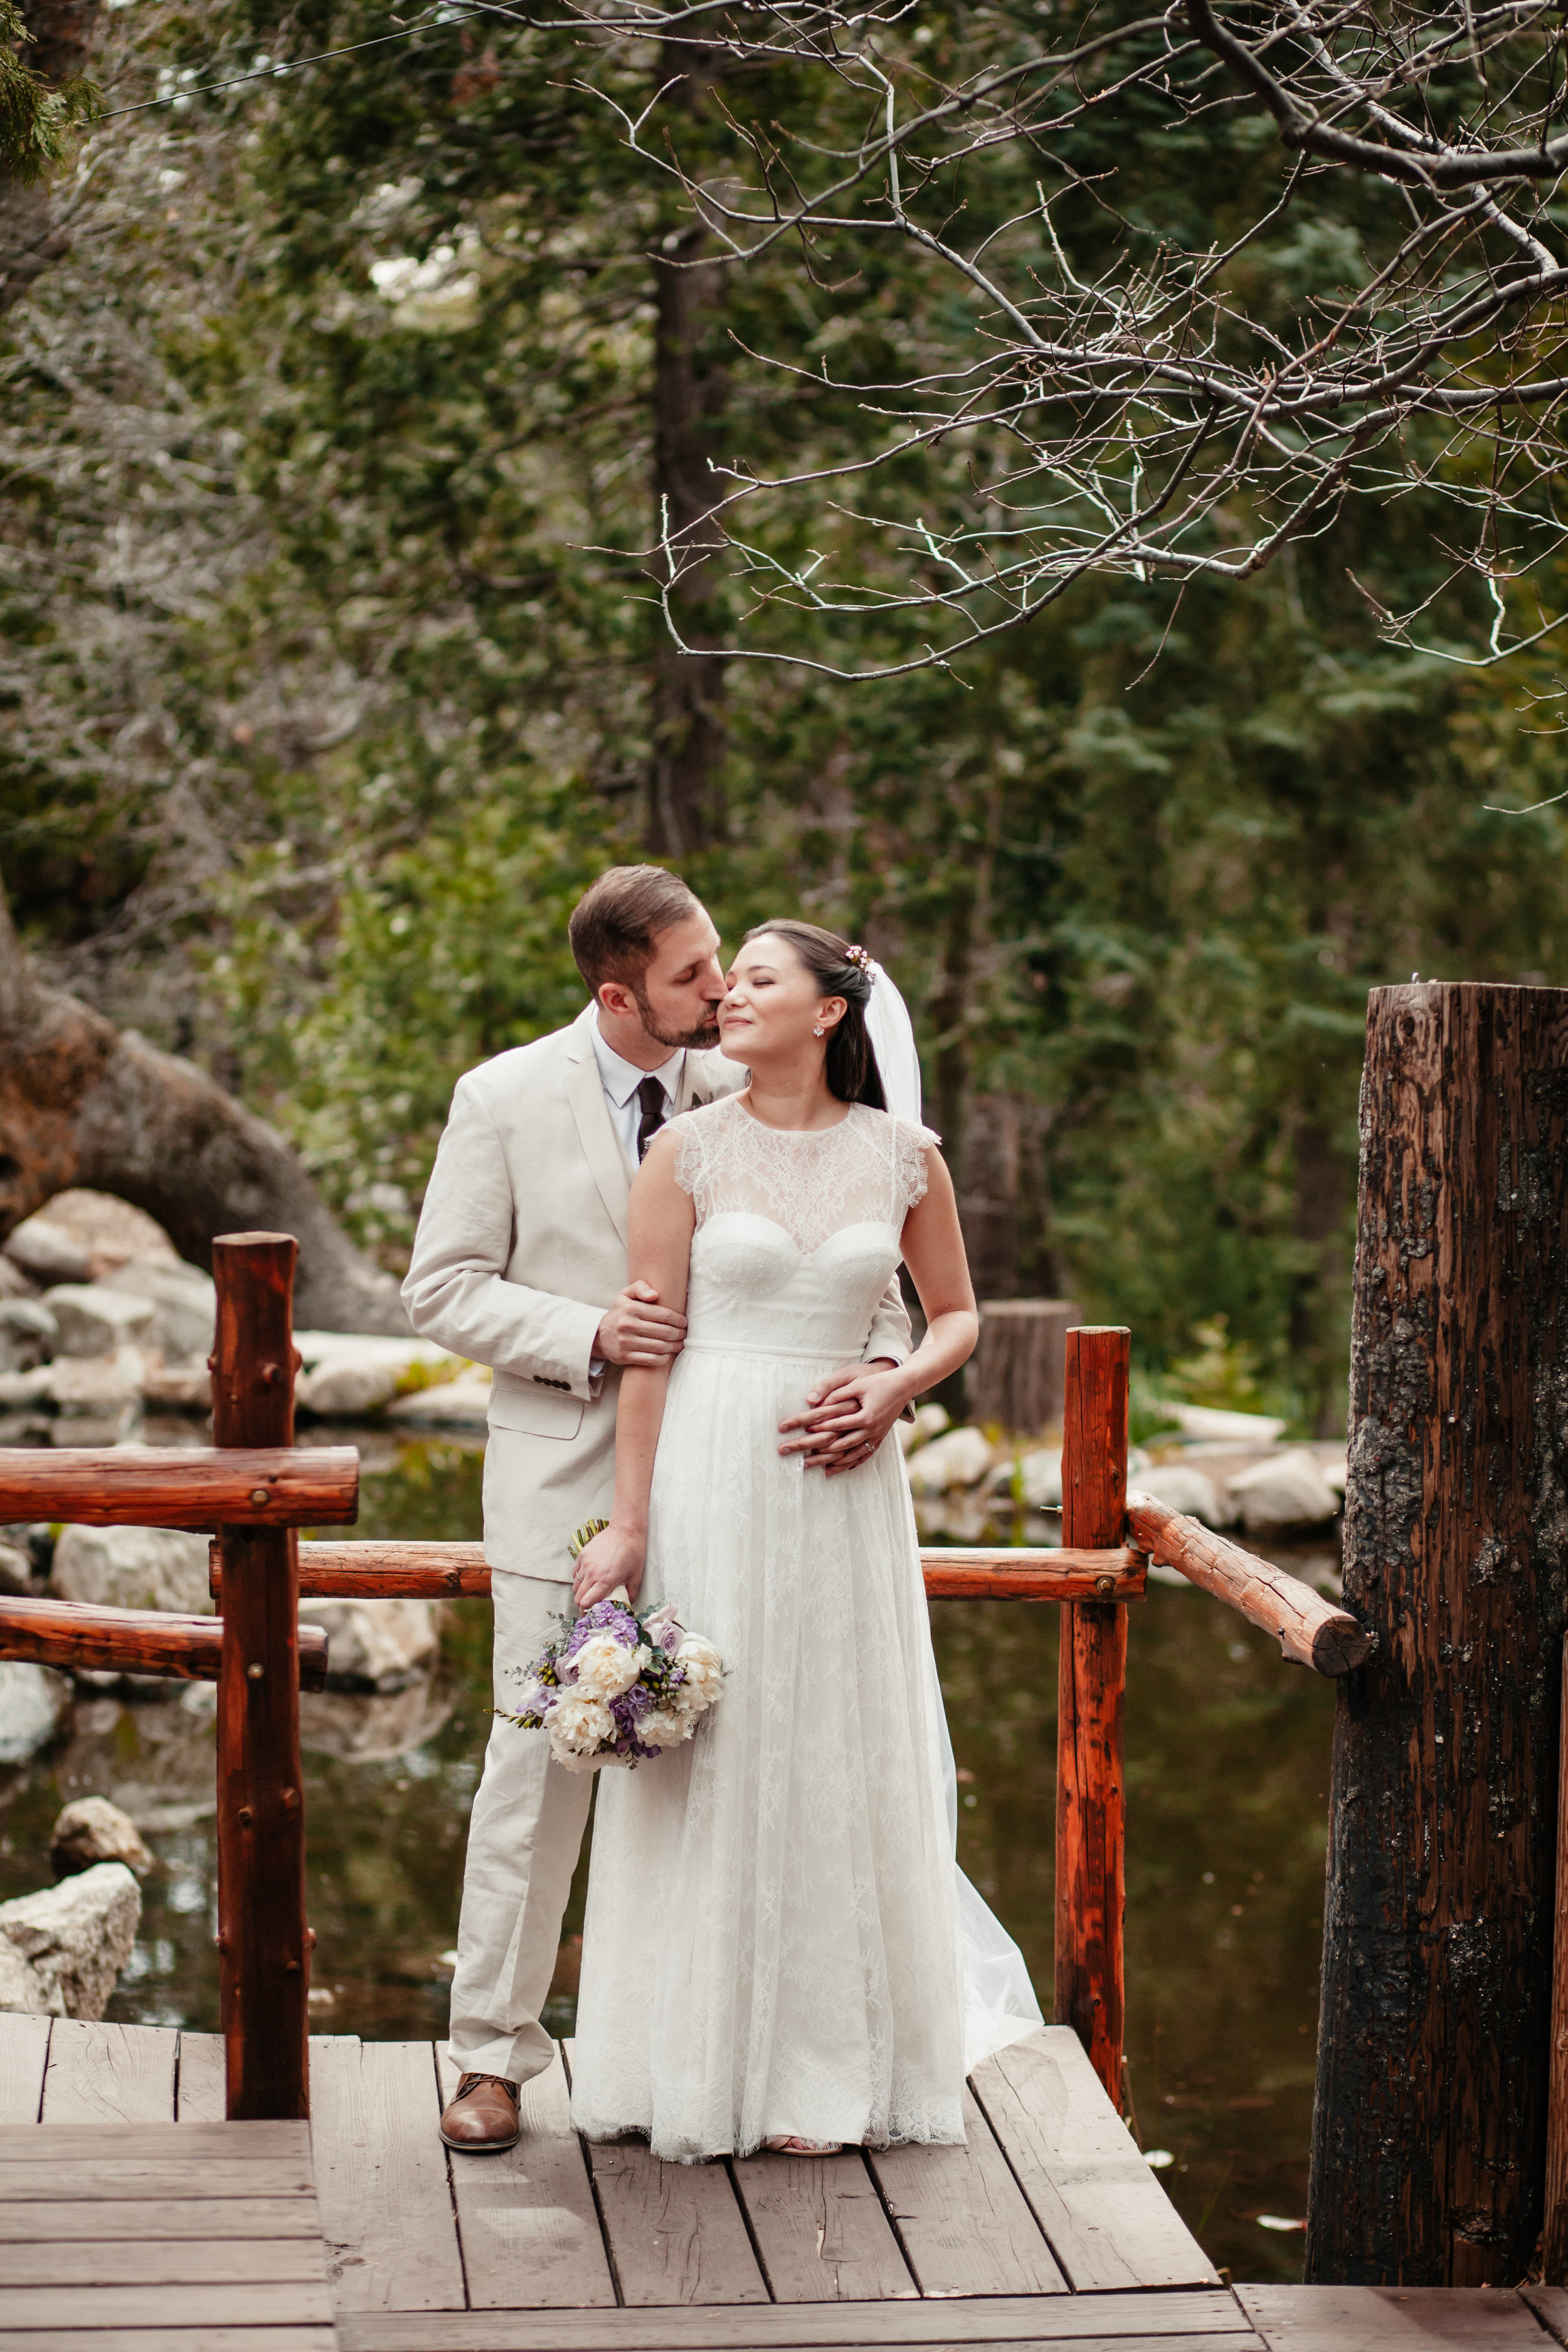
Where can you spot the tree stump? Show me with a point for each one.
(1429, 2135)
(1018, 1371)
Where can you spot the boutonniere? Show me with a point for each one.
(698, 1102)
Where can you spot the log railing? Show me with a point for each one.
(254, 1489)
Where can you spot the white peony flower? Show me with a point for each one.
(606, 1667)
(578, 1722)
(704, 1673)
(664, 1728)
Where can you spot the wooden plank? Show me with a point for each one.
(820, 2231)
(526, 2220)
(676, 2234)
(109, 2073)
(199, 2093)
(1175, 2323)
(1549, 2304)
(60, 2178)
(381, 2176)
(134, 2217)
(1091, 1689)
(167, 2261)
(24, 2055)
(159, 2340)
(962, 2221)
(1108, 2222)
(129, 2144)
(295, 2304)
(180, 1487)
(1391, 2318)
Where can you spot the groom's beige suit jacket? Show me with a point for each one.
(522, 1247)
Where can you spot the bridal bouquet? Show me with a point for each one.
(615, 1686)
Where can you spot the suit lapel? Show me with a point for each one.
(600, 1149)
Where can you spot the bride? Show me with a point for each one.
(779, 1949)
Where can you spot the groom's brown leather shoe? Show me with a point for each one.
(482, 2117)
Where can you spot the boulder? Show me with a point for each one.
(34, 1704)
(28, 1334)
(1208, 1423)
(178, 1388)
(1040, 1478)
(79, 1936)
(21, 1986)
(1181, 1487)
(183, 1298)
(463, 1403)
(947, 1463)
(133, 1568)
(14, 1283)
(371, 1727)
(1287, 1490)
(96, 1388)
(929, 1421)
(16, 1571)
(90, 1829)
(379, 1645)
(348, 1374)
(95, 1319)
(34, 1388)
(48, 1253)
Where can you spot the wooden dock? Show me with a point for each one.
(133, 2219)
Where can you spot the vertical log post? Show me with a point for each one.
(1429, 2131)
(1091, 1683)
(263, 1941)
(1555, 2236)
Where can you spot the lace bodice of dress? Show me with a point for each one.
(797, 1234)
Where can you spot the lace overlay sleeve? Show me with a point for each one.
(691, 1160)
(911, 1173)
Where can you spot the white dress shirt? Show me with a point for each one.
(621, 1079)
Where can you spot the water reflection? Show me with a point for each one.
(1227, 1760)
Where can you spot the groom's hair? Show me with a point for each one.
(615, 921)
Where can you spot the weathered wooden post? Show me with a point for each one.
(1092, 1685)
(263, 1941)
(1429, 2135)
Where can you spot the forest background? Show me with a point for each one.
(329, 675)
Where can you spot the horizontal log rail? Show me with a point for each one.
(374, 1570)
(1311, 1630)
(176, 1487)
(133, 1640)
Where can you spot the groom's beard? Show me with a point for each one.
(707, 1034)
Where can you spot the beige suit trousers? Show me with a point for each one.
(524, 1836)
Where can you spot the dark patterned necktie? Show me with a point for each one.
(650, 1094)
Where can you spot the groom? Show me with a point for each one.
(520, 1263)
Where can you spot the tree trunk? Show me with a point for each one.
(31, 236)
(690, 392)
(83, 1103)
(1428, 2143)
(1019, 1373)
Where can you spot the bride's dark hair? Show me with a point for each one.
(852, 1074)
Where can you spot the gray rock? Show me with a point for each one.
(48, 1253)
(947, 1464)
(1038, 1477)
(133, 1568)
(96, 1388)
(929, 1421)
(16, 1571)
(14, 1283)
(1182, 1488)
(346, 1386)
(22, 1988)
(373, 1728)
(1288, 1490)
(77, 1936)
(34, 1704)
(178, 1388)
(1207, 1422)
(378, 1644)
(35, 1388)
(94, 1318)
(28, 1334)
(462, 1403)
(183, 1302)
(90, 1829)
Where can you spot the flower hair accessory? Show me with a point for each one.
(862, 962)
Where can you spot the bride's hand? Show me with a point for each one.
(847, 1417)
(613, 1557)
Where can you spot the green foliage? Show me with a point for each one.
(36, 122)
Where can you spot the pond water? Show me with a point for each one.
(1227, 1754)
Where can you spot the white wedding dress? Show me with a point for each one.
(778, 1940)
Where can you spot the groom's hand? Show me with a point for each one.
(614, 1558)
(638, 1330)
(847, 1417)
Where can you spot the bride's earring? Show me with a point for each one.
(816, 1029)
